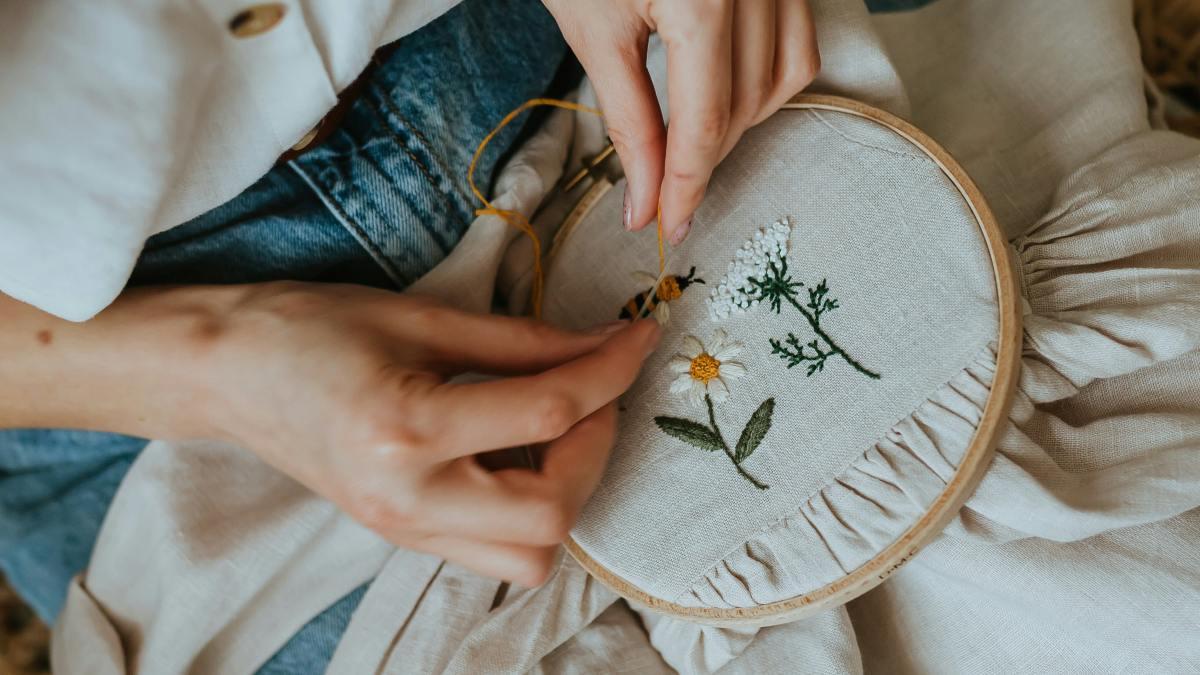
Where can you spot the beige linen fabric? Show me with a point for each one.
(1122, 601)
(1077, 553)
(903, 255)
(1109, 296)
(1021, 93)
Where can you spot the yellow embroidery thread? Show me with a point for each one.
(517, 219)
(704, 368)
(669, 289)
(656, 299)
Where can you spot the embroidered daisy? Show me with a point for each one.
(706, 371)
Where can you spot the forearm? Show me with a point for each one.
(141, 367)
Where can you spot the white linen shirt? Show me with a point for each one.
(123, 118)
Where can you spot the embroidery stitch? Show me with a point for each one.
(706, 372)
(656, 299)
(709, 438)
(777, 286)
(755, 431)
(702, 377)
(734, 293)
(759, 273)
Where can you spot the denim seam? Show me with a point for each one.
(412, 129)
(370, 200)
(429, 145)
(349, 223)
(421, 166)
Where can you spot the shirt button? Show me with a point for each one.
(308, 138)
(256, 19)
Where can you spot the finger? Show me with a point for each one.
(458, 341)
(453, 420)
(753, 65)
(528, 566)
(616, 65)
(797, 57)
(573, 464)
(526, 506)
(698, 39)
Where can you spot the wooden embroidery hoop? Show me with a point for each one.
(974, 462)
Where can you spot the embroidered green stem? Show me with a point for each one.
(737, 463)
(779, 286)
(815, 322)
(795, 353)
(710, 438)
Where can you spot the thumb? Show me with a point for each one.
(617, 69)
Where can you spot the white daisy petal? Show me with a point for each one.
(692, 347)
(717, 343)
(732, 370)
(727, 351)
(678, 364)
(718, 390)
(682, 383)
(696, 393)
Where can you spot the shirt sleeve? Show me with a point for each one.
(92, 96)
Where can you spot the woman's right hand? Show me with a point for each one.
(347, 389)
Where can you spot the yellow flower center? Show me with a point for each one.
(704, 368)
(669, 289)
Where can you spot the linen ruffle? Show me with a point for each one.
(860, 512)
(1111, 276)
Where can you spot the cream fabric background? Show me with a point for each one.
(1076, 554)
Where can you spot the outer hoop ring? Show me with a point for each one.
(974, 462)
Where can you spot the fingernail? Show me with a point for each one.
(681, 232)
(608, 327)
(628, 213)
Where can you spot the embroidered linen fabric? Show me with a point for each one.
(849, 463)
(1074, 554)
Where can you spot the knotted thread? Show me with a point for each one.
(518, 220)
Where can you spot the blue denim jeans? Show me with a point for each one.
(379, 202)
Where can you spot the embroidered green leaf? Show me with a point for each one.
(692, 433)
(710, 438)
(777, 287)
(796, 353)
(755, 431)
(819, 301)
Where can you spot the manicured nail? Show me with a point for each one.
(628, 214)
(681, 232)
(609, 327)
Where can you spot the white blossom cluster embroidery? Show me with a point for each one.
(736, 293)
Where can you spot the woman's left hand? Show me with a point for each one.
(730, 64)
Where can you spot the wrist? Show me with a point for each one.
(144, 366)
(180, 337)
